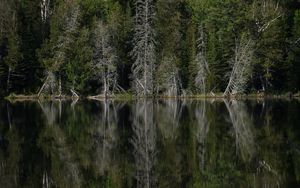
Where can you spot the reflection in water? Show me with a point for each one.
(242, 125)
(104, 136)
(50, 110)
(144, 143)
(201, 132)
(164, 143)
(9, 160)
(168, 112)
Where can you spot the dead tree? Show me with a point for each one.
(144, 143)
(144, 48)
(241, 68)
(242, 126)
(45, 10)
(265, 13)
(201, 62)
(105, 60)
(168, 77)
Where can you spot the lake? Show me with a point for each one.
(150, 143)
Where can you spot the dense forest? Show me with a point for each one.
(149, 47)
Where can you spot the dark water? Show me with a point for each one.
(150, 144)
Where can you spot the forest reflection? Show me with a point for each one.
(150, 143)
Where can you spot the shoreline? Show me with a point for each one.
(22, 97)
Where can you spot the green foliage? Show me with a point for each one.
(63, 46)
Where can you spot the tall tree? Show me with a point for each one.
(105, 68)
(202, 67)
(144, 48)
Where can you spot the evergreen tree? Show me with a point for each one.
(294, 56)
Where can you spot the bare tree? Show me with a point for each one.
(265, 13)
(241, 67)
(144, 143)
(168, 77)
(105, 68)
(201, 62)
(242, 125)
(144, 48)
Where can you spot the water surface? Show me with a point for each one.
(150, 143)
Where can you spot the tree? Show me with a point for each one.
(57, 50)
(12, 60)
(104, 65)
(143, 51)
(293, 55)
(201, 62)
(268, 25)
(167, 25)
(241, 67)
(168, 79)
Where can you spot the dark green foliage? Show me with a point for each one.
(31, 46)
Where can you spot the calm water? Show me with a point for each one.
(149, 143)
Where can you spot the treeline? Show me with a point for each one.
(149, 47)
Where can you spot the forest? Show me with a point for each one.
(149, 47)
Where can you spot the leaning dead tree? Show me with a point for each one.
(242, 126)
(241, 67)
(201, 62)
(168, 77)
(265, 13)
(105, 60)
(70, 23)
(144, 143)
(144, 48)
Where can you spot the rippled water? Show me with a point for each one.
(150, 143)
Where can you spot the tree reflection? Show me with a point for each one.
(105, 136)
(242, 125)
(50, 110)
(168, 114)
(64, 170)
(144, 143)
(201, 132)
(10, 158)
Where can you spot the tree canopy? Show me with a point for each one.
(148, 47)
